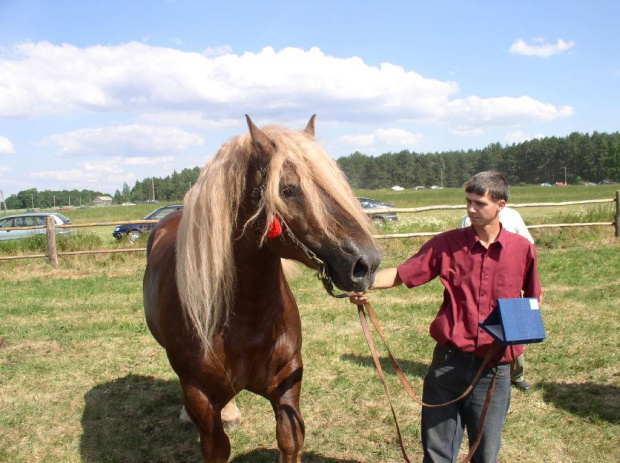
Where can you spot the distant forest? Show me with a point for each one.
(577, 158)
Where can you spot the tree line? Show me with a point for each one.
(171, 188)
(47, 199)
(576, 158)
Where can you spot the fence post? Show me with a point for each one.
(617, 222)
(52, 253)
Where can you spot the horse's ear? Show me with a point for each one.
(310, 127)
(261, 142)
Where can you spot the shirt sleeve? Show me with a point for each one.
(422, 267)
(531, 281)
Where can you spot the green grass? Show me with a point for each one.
(82, 380)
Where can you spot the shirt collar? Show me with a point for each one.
(473, 239)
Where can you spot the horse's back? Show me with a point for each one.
(159, 277)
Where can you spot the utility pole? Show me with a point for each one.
(153, 188)
(565, 183)
(3, 203)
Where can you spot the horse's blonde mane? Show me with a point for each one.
(205, 263)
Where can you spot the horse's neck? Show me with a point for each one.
(260, 279)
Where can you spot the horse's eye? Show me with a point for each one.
(289, 191)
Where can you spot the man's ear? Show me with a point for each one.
(501, 204)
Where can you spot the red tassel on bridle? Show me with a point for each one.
(275, 228)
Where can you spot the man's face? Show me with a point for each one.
(482, 210)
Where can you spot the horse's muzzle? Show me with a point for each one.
(353, 268)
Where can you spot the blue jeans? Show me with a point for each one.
(443, 427)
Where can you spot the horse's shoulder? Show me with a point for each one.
(164, 234)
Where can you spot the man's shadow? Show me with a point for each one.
(588, 400)
(135, 419)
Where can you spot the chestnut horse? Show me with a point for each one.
(215, 295)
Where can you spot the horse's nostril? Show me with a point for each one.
(361, 269)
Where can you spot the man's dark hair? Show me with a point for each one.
(491, 181)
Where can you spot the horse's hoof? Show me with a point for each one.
(185, 418)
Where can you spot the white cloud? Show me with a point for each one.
(397, 137)
(473, 113)
(191, 118)
(467, 131)
(105, 175)
(4, 169)
(382, 138)
(71, 175)
(39, 79)
(145, 161)
(123, 140)
(519, 136)
(540, 48)
(6, 146)
(216, 51)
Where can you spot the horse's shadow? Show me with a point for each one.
(588, 400)
(272, 456)
(135, 419)
(410, 368)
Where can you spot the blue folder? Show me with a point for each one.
(515, 321)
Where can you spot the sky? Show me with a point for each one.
(97, 94)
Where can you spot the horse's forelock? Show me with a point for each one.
(319, 177)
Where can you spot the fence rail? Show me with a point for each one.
(53, 254)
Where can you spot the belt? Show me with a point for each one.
(455, 351)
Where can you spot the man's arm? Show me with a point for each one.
(384, 279)
(387, 278)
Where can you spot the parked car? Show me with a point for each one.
(135, 230)
(33, 219)
(369, 204)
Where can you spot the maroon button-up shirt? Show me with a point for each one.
(474, 279)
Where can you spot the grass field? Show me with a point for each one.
(82, 380)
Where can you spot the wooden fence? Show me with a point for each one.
(53, 254)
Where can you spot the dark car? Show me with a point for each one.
(34, 219)
(380, 218)
(135, 230)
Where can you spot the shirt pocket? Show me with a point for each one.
(508, 286)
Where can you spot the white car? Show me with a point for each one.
(33, 219)
(397, 188)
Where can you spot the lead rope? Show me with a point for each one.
(401, 376)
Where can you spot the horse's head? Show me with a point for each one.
(306, 208)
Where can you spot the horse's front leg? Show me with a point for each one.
(214, 442)
(290, 428)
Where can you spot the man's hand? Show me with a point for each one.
(358, 298)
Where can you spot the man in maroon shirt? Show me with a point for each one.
(477, 265)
